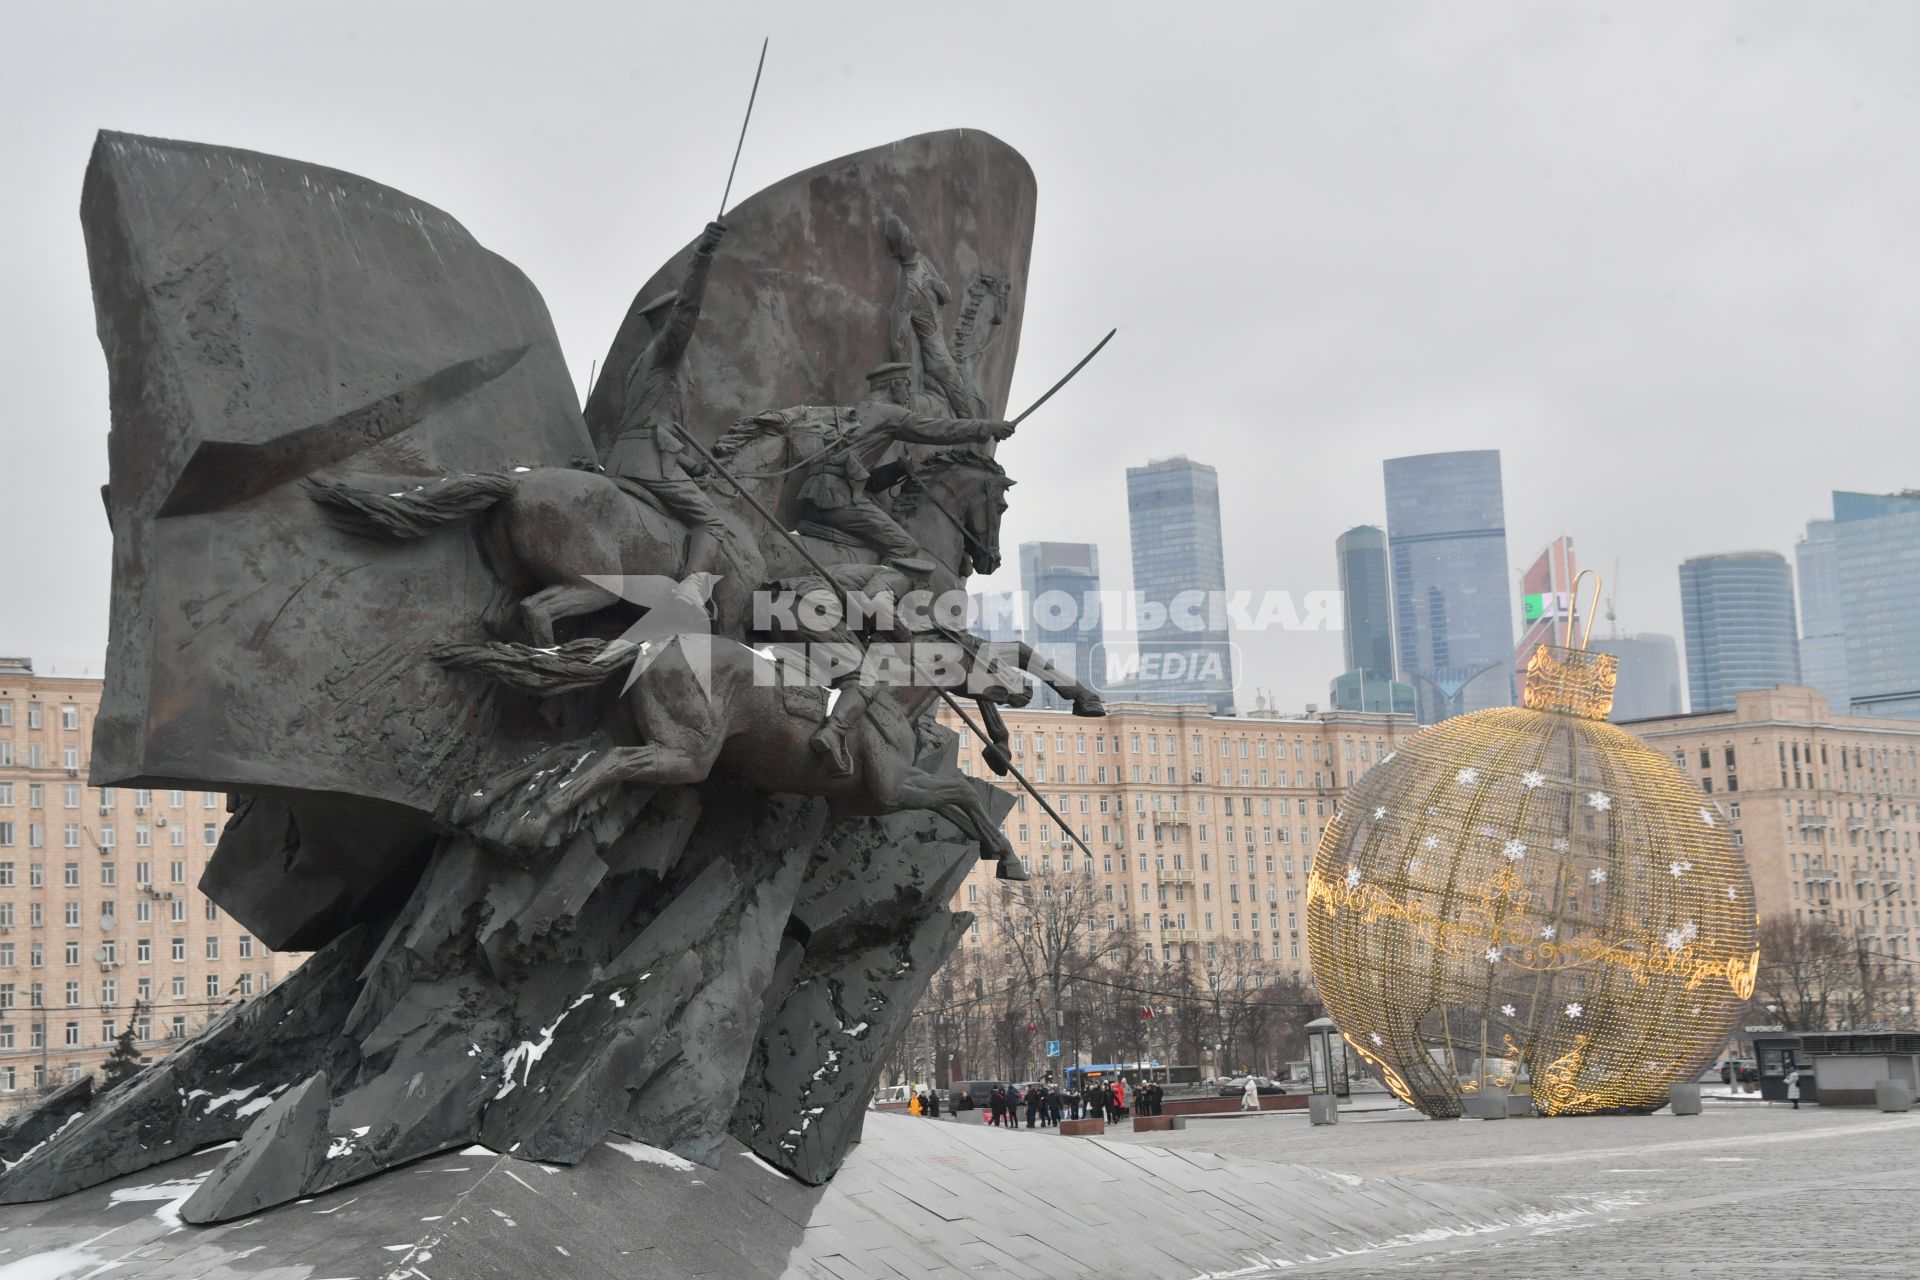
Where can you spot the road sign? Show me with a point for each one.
(1053, 1048)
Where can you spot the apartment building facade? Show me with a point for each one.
(1826, 807)
(1202, 828)
(99, 908)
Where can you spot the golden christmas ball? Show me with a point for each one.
(1532, 899)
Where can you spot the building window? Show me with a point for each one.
(179, 949)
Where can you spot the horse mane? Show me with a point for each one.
(939, 463)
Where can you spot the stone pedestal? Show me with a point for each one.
(1892, 1095)
(1323, 1108)
(1484, 1105)
(1684, 1099)
(1085, 1128)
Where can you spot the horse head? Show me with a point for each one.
(966, 492)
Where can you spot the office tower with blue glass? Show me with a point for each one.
(1741, 631)
(1179, 562)
(1823, 640)
(994, 615)
(1876, 553)
(1060, 607)
(1452, 608)
(1360, 560)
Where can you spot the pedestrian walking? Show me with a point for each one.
(997, 1106)
(933, 1103)
(1250, 1096)
(1793, 1088)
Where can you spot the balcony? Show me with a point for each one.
(1814, 822)
(1175, 875)
(1179, 935)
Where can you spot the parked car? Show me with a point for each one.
(1236, 1086)
(1749, 1071)
(968, 1094)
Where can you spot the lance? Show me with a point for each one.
(827, 578)
(743, 129)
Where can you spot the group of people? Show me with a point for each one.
(925, 1103)
(1047, 1105)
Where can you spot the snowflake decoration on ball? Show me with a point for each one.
(1379, 812)
(1548, 931)
(1679, 868)
(1598, 875)
(1353, 877)
(1467, 777)
(1515, 850)
(1706, 816)
(1375, 1037)
(1599, 800)
(1508, 1010)
(1561, 844)
(1532, 778)
(1676, 939)
(1575, 1009)
(1493, 955)
(1430, 843)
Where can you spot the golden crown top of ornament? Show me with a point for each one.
(1575, 682)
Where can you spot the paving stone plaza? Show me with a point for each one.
(1743, 1188)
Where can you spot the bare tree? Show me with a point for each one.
(1809, 972)
(1054, 931)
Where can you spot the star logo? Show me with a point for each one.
(676, 617)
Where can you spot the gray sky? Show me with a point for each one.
(1662, 256)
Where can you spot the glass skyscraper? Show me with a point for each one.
(1061, 612)
(1360, 557)
(1173, 510)
(1741, 631)
(1452, 610)
(1823, 641)
(1876, 552)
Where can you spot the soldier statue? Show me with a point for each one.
(646, 453)
(835, 492)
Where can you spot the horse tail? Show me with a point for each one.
(579, 664)
(416, 511)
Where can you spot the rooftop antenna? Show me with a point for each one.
(1612, 588)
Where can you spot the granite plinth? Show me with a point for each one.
(917, 1197)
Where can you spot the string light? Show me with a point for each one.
(1530, 897)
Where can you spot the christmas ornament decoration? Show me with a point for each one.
(1530, 898)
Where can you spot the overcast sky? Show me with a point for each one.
(1662, 256)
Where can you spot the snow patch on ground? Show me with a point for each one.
(645, 1154)
(778, 1173)
(172, 1195)
(56, 1265)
